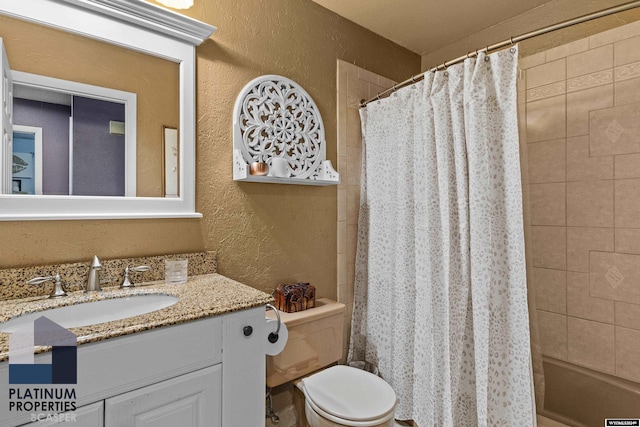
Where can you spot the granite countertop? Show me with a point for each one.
(202, 296)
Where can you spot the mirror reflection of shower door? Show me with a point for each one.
(27, 160)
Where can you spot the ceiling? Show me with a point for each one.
(424, 26)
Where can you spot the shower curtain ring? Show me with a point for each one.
(511, 40)
(394, 88)
(413, 79)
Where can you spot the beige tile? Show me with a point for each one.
(385, 82)
(353, 204)
(627, 72)
(342, 204)
(546, 91)
(627, 166)
(565, 50)
(615, 130)
(590, 204)
(615, 276)
(626, 51)
(553, 334)
(581, 240)
(590, 344)
(627, 203)
(628, 315)
(549, 246)
(615, 34)
(357, 86)
(548, 204)
(551, 290)
(342, 81)
(342, 168)
(582, 167)
(367, 75)
(342, 294)
(627, 91)
(354, 165)
(546, 161)
(375, 90)
(546, 119)
(342, 272)
(532, 60)
(353, 100)
(342, 124)
(581, 103)
(628, 240)
(627, 351)
(598, 78)
(590, 61)
(546, 73)
(354, 129)
(342, 237)
(581, 304)
(348, 67)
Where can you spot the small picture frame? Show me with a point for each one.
(170, 162)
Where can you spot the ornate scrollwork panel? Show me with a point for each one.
(275, 117)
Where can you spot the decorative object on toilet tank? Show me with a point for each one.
(295, 297)
(275, 118)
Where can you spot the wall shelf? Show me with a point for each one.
(275, 117)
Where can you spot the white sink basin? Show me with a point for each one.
(91, 313)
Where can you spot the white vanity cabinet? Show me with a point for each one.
(208, 372)
(190, 400)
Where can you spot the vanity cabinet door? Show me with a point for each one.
(85, 416)
(191, 400)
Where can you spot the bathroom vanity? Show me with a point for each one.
(199, 362)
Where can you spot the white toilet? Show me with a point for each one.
(336, 396)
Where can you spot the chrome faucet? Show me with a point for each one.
(93, 276)
(58, 290)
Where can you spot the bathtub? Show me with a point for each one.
(582, 397)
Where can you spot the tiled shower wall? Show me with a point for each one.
(354, 84)
(581, 109)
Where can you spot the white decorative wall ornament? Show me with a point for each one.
(275, 117)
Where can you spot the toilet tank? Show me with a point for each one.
(315, 341)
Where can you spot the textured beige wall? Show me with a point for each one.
(264, 234)
(46, 51)
(550, 13)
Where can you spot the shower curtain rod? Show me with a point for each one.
(506, 43)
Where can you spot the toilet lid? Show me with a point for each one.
(350, 394)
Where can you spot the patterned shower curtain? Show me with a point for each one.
(440, 291)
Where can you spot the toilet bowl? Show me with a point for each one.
(332, 396)
(346, 396)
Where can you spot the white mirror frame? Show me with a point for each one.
(144, 27)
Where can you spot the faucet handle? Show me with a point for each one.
(59, 289)
(139, 269)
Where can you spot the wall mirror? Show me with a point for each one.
(136, 55)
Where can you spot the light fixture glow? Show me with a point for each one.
(177, 4)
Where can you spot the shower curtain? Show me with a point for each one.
(440, 291)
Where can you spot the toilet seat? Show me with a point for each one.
(350, 396)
